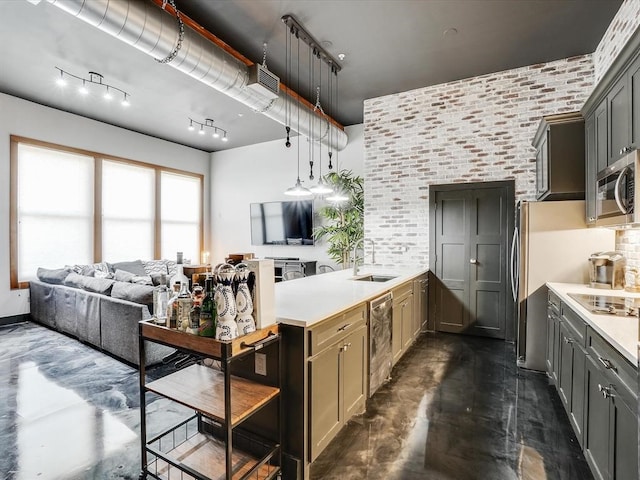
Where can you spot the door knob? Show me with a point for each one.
(473, 261)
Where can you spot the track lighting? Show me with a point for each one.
(208, 123)
(94, 79)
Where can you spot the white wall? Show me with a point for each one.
(261, 173)
(27, 119)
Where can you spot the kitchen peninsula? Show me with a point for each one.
(324, 320)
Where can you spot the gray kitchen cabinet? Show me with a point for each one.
(618, 120)
(591, 169)
(560, 151)
(602, 149)
(571, 377)
(596, 432)
(614, 109)
(542, 166)
(337, 381)
(553, 337)
(611, 430)
(634, 91)
(597, 387)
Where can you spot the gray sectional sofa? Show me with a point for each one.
(101, 310)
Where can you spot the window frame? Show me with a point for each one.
(98, 158)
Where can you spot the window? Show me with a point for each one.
(180, 215)
(54, 209)
(128, 211)
(71, 206)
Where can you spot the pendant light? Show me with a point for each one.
(320, 188)
(337, 196)
(298, 190)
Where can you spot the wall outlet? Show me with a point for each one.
(261, 364)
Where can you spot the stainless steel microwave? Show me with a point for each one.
(617, 193)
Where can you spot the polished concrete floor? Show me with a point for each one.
(457, 408)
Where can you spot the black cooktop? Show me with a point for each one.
(608, 305)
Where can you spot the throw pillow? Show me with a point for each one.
(101, 274)
(74, 280)
(54, 276)
(102, 286)
(123, 276)
(154, 266)
(135, 267)
(133, 292)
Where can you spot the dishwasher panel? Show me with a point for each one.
(380, 358)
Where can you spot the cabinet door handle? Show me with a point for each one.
(344, 327)
(473, 261)
(607, 364)
(606, 391)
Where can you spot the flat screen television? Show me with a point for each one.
(282, 223)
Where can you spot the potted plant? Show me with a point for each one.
(343, 222)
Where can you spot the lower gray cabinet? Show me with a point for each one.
(611, 433)
(596, 385)
(571, 378)
(596, 434)
(553, 338)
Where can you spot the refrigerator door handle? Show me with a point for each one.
(514, 266)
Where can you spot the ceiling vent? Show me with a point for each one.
(263, 81)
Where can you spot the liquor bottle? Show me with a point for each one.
(160, 300)
(172, 308)
(184, 307)
(179, 276)
(208, 312)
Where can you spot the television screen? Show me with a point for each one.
(282, 223)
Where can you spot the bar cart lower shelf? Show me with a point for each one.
(186, 453)
(207, 445)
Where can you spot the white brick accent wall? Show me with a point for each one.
(472, 130)
(614, 39)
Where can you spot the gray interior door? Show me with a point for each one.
(471, 241)
(452, 261)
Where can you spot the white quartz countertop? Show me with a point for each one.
(305, 301)
(620, 332)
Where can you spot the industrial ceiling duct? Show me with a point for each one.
(153, 31)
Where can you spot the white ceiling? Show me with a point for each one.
(390, 46)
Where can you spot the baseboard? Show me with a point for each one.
(14, 319)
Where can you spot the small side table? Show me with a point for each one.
(196, 274)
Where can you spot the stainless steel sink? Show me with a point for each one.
(374, 278)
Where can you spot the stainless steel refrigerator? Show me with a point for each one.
(551, 243)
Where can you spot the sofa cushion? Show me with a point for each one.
(55, 276)
(136, 267)
(133, 292)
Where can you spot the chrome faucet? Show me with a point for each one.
(355, 253)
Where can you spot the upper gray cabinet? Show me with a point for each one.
(559, 144)
(618, 120)
(612, 118)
